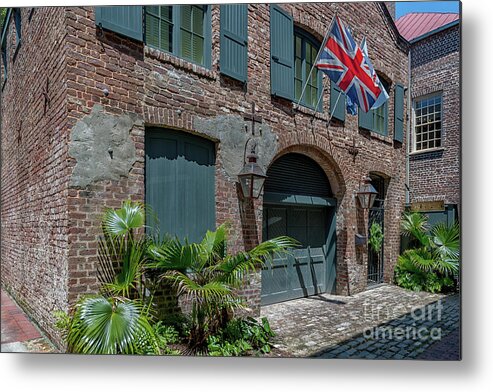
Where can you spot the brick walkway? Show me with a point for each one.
(386, 322)
(18, 333)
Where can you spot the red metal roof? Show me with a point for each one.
(416, 24)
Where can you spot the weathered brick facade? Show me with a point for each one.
(435, 68)
(50, 221)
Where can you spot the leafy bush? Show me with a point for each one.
(166, 335)
(433, 259)
(240, 336)
(426, 281)
(376, 237)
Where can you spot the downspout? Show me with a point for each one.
(408, 125)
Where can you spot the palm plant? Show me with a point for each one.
(207, 276)
(117, 321)
(434, 251)
(122, 253)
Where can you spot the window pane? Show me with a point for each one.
(198, 20)
(186, 44)
(152, 30)
(166, 36)
(151, 9)
(297, 89)
(186, 17)
(298, 47)
(298, 69)
(198, 49)
(314, 96)
(166, 13)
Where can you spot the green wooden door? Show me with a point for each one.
(309, 269)
(180, 183)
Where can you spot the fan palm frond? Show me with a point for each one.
(420, 259)
(122, 221)
(415, 225)
(110, 326)
(446, 240)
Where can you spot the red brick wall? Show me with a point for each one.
(436, 68)
(35, 225)
(128, 70)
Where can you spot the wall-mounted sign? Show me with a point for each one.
(428, 206)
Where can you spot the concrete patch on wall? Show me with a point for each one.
(233, 132)
(102, 146)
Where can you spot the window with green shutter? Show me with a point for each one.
(159, 27)
(282, 53)
(184, 31)
(376, 120)
(234, 41)
(305, 54)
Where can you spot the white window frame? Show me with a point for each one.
(415, 134)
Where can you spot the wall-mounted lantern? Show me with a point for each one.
(252, 176)
(366, 194)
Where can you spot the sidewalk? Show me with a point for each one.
(18, 333)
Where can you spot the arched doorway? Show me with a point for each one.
(298, 202)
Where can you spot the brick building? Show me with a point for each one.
(434, 157)
(98, 107)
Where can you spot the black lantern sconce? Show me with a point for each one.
(366, 194)
(252, 176)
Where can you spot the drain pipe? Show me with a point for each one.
(408, 127)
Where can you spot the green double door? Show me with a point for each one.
(309, 269)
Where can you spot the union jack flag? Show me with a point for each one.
(348, 66)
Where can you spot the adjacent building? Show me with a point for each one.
(435, 137)
(162, 104)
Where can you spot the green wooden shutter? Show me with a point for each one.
(180, 183)
(399, 113)
(282, 53)
(365, 120)
(234, 40)
(338, 111)
(125, 20)
(386, 118)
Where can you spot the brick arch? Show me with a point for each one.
(328, 164)
(312, 24)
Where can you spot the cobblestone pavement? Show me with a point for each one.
(386, 322)
(446, 349)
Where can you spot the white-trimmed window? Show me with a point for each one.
(428, 122)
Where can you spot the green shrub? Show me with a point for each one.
(433, 259)
(428, 281)
(376, 237)
(241, 336)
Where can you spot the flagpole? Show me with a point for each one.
(318, 55)
(333, 109)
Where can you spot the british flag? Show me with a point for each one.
(348, 67)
